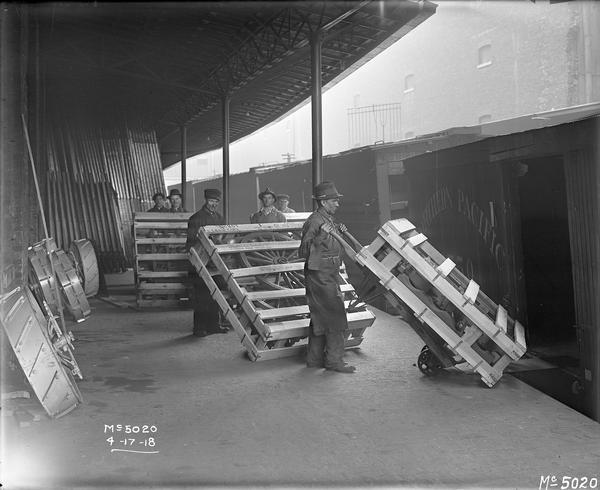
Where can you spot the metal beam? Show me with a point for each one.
(225, 102)
(345, 15)
(183, 130)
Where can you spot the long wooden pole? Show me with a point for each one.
(39, 197)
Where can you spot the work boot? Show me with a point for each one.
(219, 330)
(344, 368)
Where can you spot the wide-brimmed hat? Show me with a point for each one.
(281, 197)
(212, 194)
(265, 192)
(174, 192)
(326, 190)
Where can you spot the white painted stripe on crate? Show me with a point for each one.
(401, 225)
(520, 335)
(472, 291)
(501, 318)
(445, 267)
(416, 240)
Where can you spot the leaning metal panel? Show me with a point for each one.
(44, 354)
(41, 277)
(86, 264)
(71, 288)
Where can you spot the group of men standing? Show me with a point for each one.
(323, 257)
(174, 203)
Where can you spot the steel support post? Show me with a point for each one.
(183, 131)
(225, 103)
(317, 116)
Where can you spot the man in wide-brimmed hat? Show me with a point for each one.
(206, 310)
(176, 202)
(323, 256)
(159, 203)
(268, 213)
(282, 203)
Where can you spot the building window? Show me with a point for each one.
(409, 83)
(485, 56)
(485, 118)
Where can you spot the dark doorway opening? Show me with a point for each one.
(548, 280)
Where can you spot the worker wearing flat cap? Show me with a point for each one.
(282, 203)
(176, 202)
(159, 203)
(206, 310)
(323, 253)
(268, 213)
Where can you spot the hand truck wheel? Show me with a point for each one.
(428, 363)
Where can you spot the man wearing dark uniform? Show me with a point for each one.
(283, 200)
(176, 202)
(268, 213)
(323, 254)
(206, 310)
(159, 203)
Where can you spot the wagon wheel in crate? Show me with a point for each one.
(428, 363)
(278, 281)
(281, 280)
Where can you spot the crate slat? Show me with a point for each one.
(161, 241)
(163, 286)
(156, 303)
(287, 311)
(288, 293)
(472, 291)
(445, 267)
(162, 257)
(416, 240)
(251, 228)
(145, 216)
(501, 319)
(299, 327)
(165, 274)
(257, 246)
(267, 269)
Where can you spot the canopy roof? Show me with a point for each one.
(164, 65)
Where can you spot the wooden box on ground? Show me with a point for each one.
(259, 268)
(161, 262)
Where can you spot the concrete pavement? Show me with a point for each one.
(223, 420)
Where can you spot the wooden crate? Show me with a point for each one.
(161, 263)
(453, 313)
(261, 270)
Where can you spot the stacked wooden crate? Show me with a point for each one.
(254, 273)
(457, 321)
(161, 262)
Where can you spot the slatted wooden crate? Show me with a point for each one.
(260, 268)
(455, 318)
(161, 262)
